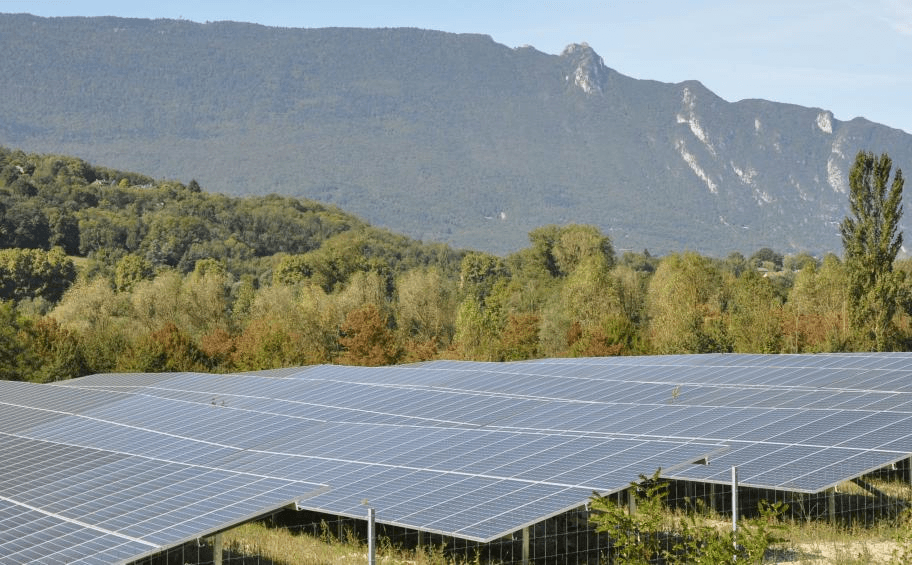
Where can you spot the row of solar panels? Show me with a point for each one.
(474, 450)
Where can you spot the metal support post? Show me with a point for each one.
(631, 500)
(525, 547)
(217, 549)
(831, 505)
(735, 502)
(371, 537)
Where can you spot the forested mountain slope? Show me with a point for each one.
(92, 211)
(440, 136)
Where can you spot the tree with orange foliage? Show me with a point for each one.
(367, 340)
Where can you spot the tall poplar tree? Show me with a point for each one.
(871, 239)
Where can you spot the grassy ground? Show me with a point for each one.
(882, 541)
(280, 546)
(808, 544)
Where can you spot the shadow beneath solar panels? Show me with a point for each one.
(305, 537)
(789, 555)
(565, 539)
(857, 503)
(193, 553)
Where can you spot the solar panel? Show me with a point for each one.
(66, 503)
(122, 465)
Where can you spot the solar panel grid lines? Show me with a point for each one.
(687, 419)
(881, 437)
(463, 509)
(468, 448)
(15, 531)
(160, 454)
(492, 461)
(92, 486)
(117, 509)
(401, 449)
(13, 394)
(425, 437)
(14, 418)
(805, 363)
(39, 485)
(255, 414)
(540, 506)
(729, 426)
(837, 430)
(831, 470)
(786, 427)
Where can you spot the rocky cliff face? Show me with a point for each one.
(589, 72)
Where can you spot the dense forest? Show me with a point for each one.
(102, 270)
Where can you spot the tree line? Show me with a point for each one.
(104, 271)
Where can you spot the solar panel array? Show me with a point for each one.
(796, 423)
(108, 468)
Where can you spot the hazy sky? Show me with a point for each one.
(853, 57)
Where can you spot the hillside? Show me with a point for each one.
(105, 214)
(444, 137)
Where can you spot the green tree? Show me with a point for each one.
(170, 237)
(767, 258)
(641, 262)
(479, 272)
(157, 301)
(685, 303)
(559, 250)
(588, 309)
(871, 239)
(29, 273)
(292, 270)
(64, 231)
(817, 308)
(330, 266)
(755, 325)
(244, 295)
(24, 225)
(131, 269)
(735, 264)
(800, 261)
(267, 344)
(542, 250)
(13, 350)
(55, 352)
(654, 534)
(637, 538)
(100, 229)
(205, 297)
(288, 326)
(362, 289)
(478, 328)
(426, 307)
(167, 349)
(99, 317)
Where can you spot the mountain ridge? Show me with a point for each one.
(444, 137)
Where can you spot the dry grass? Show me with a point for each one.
(283, 547)
(884, 541)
